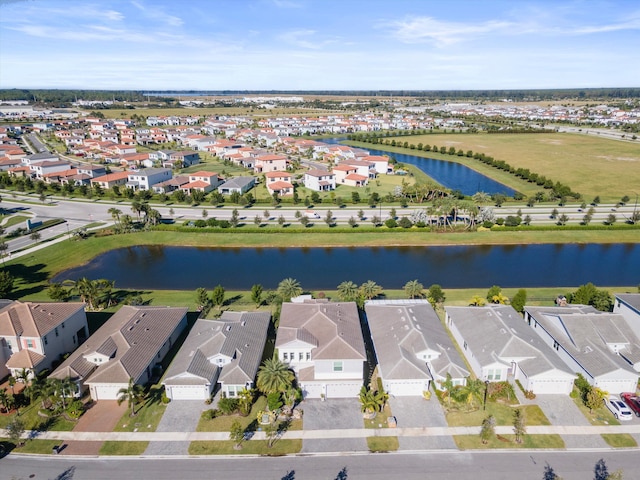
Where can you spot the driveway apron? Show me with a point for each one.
(179, 416)
(418, 412)
(335, 413)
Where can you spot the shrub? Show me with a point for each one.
(390, 223)
(274, 401)
(211, 414)
(228, 405)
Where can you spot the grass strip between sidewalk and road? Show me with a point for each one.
(473, 442)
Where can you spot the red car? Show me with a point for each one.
(632, 402)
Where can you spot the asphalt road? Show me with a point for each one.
(489, 465)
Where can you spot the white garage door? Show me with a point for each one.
(191, 392)
(541, 387)
(106, 392)
(343, 390)
(405, 388)
(311, 390)
(615, 387)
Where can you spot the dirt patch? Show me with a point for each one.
(551, 141)
(622, 159)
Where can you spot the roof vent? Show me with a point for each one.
(228, 329)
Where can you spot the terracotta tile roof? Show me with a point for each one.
(34, 319)
(25, 358)
(111, 177)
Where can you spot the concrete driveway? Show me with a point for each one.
(417, 412)
(335, 413)
(101, 416)
(560, 410)
(179, 416)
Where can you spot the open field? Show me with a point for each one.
(589, 165)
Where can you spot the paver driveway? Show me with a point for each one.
(418, 412)
(102, 416)
(335, 413)
(179, 416)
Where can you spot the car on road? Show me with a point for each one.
(632, 401)
(311, 213)
(618, 408)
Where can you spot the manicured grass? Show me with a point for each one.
(250, 447)
(473, 442)
(205, 111)
(501, 412)
(147, 417)
(33, 421)
(223, 423)
(588, 164)
(382, 444)
(620, 440)
(599, 416)
(38, 446)
(15, 220)
(380, 420)
(123, 448)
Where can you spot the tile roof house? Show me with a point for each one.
(599, 345)
(128, 345)
(227, 352)
(237, 184)
(498, 345)
(34, 335)
(203, 181)
(322, 342)
(412, 347)
(319, 180)
(280, 183)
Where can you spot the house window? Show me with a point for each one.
(308, 356)
(45, 340)
(57, 332)
(285, 356)
(489, 374)
(29, 343)
(337, 366)
(62, 324)
(301, 356)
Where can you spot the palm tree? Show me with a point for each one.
(289, 288)
(347, 291)
(115, 214)
(481, 198)
(131, 394)
(274, 376)
(473, 390)
(370, 289)
(368, 402)
(413, 289)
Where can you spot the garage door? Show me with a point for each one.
(106, 392)
(615, 387)
(191, 392)
(541, 387)
(405, 388)
(343, 390)
(311, 390)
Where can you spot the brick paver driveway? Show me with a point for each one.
(102, 416)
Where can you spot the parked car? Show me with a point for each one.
(619, 409)
(632, 401)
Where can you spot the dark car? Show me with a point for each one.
(632, 401)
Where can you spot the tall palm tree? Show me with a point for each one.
(131, 394)
(481, 198)
(368, 402)
(274, 376)
(289, 288)
(413, 289)
(115, 214)
(347, 291)
(370, 289)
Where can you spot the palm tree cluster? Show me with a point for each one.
(372, 402)
(348, 291)
(95, 293)
(467, 394)
(55, 394)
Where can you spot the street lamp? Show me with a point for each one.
(486, 388)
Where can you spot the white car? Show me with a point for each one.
(618, 408)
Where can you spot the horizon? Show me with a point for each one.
(311, 45)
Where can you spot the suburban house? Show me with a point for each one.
(346, 175)
(628, 305)
(171, 185)
(39, 158)
(129, 345)
(280, 183)
(39, 170)
(319, 180)
(322, 343)
(147, 178)
(380, 163)
(498, 345)
(237, 184)
(412, 347)
(111, 180)
(203, 181)
(182, 159)
(92, 171)
(270, 163)
(364, 168)
(227, 352)
(35, 335)
(599, 345)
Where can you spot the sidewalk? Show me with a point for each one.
(326, 434)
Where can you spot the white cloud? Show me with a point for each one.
(155, 13)
(429, 29)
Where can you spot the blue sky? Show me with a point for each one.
(319, 44)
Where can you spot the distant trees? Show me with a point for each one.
(590, 295)
(413, 289)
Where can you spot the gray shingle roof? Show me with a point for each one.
(238, 335)
(402, 330)
(35, 319)
(631, 299)
(589, 335)
(498, 333)
(335, 326)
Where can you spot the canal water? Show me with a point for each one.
(187, 268)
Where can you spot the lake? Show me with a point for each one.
(450, 174)
(187, 268)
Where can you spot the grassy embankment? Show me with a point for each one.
(590, 165)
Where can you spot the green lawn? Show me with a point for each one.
(619, 440)
(147, 416)
(380, 420)
(37, 446)
(473, 442)
(501, 412)
(575, 160)
(223, 423)
(382, 444)
(599, 416)
(33, 421)
(15, 220)
(123, 448)
(250, 447)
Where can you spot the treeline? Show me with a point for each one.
(558, 189)
(66, 97)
